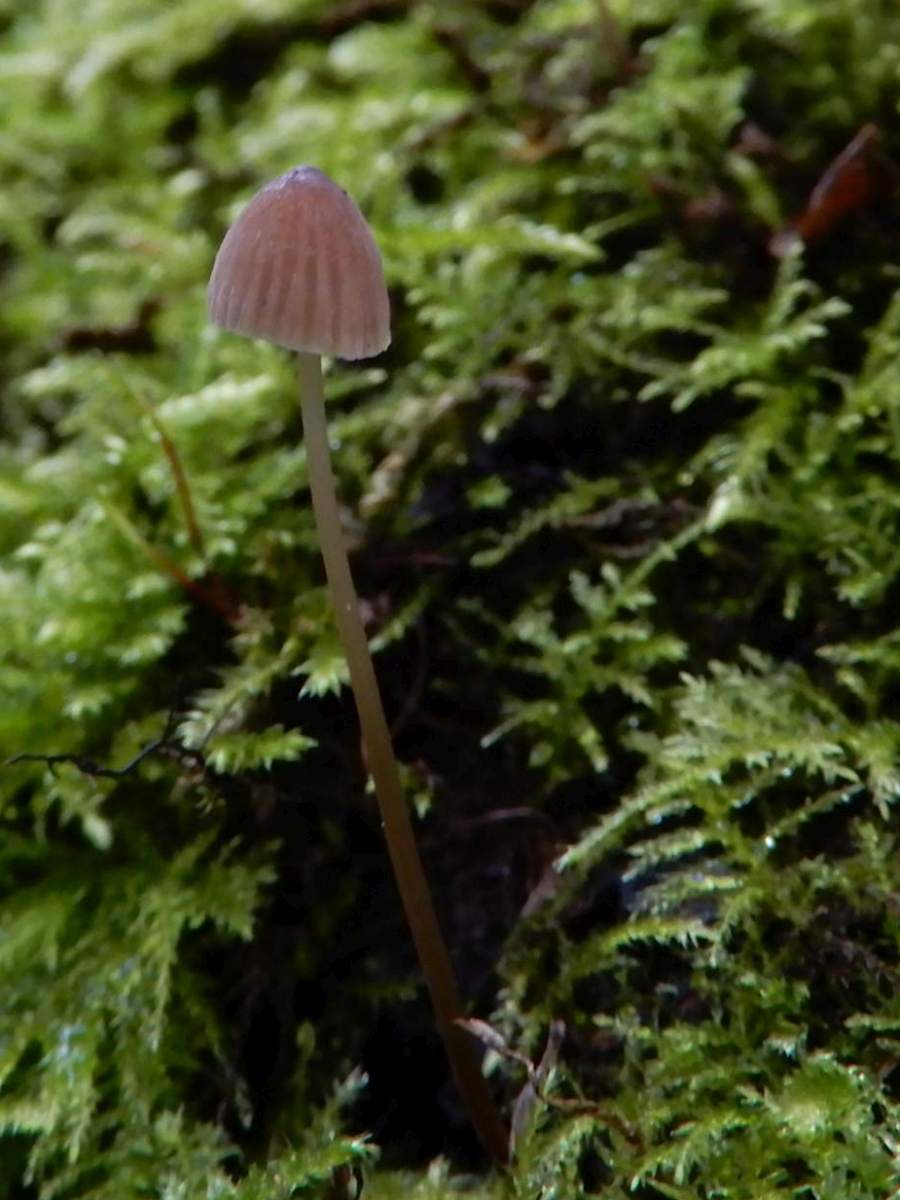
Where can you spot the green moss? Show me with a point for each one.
(623, 503)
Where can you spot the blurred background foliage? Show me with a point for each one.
(624, 507)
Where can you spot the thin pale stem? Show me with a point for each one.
(382, 765)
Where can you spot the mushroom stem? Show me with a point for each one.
(398, 832)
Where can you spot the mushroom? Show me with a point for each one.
(300, 268)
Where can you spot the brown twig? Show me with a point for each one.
(211, 598)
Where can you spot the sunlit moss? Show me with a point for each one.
(623, 499)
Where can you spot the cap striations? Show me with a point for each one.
(300, 267)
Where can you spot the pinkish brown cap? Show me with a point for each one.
(299, 267)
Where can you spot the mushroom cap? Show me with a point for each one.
(299, 267)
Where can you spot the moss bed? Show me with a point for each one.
(624, 505)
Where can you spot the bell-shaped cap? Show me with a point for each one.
(300, 267)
